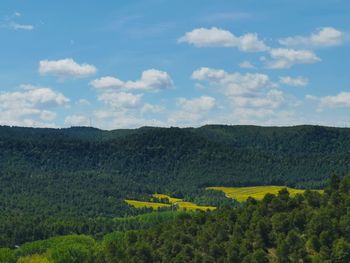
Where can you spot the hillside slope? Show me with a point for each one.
(301, 156)
(60, 181)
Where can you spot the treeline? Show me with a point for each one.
(312, 227)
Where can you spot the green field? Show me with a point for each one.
(180, 204)
(241, 194)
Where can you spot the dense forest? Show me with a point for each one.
(312, 227)
(66, 181)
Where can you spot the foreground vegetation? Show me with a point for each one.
(309, 227)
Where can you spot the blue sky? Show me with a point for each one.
(126, 64)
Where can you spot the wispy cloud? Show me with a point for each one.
(17, 26)
(9, 22)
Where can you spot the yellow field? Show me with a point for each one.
(257, 192)
(172, 200)
(182, 205)
(142, 204)
(193, 206)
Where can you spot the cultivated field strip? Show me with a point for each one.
(241, 194)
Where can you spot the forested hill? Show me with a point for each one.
(301, 156)
(62, 181)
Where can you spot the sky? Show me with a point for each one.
(129, 63)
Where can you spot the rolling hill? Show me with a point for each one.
(61, 181)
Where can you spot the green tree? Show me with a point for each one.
(341, 251)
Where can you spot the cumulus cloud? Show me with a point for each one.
(46, 115)
(232, 84)
(323, 37)
(106, 82)
(191, 112)
(249, 93)
(30, 107)
(123, 109)
(200, 104)
(151, 108)
(83, 102)
(121, 100)
(271, 99)
(77, 120)
(217, 37)
(295, 82)
(246, 64)
(40, 97)
(285, 58)
(151, 79)
(66, 68)
(111, 119)
(341, 100)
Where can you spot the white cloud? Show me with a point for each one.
(121, 100)
(265, 117)
(106, 82)
(341, 100)
(191, 112)
(151, 79)
(83, 102)
(10, 23)
(111, 119)
(65, 68)
(200, 104)
(246, 64)
(255, 95)
(30, 107)
(150, 108)
(40, 97)
(216, 37)
(77, 120)
(272, 99)
(323, 37)
(295, 82)
(46, 115)
(124, 109)
(232, 84)
(285, 58)
(17, 26)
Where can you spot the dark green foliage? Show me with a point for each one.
(64, 181)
